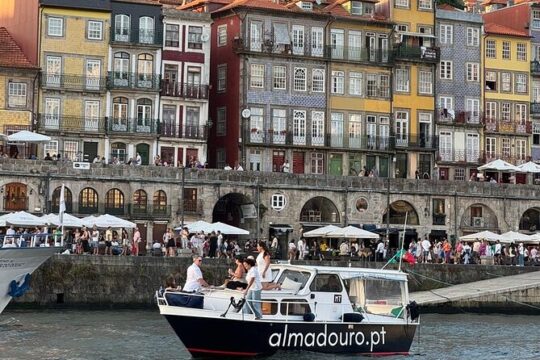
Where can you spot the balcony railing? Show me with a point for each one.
(144, 211)
(508, 127)
(15, 203)
(535, 68)
(535, 108)
(134, 81)
(141, 37)
(133, 126)
(417, 53)
(358, 54)
(184, 132)
(270, 46)
(459, 156)
(191, 206)
(73, 82)
(115, 210)
(185, 90)
(512, 158)
(417, 141)
(61, 123)
(459, 118)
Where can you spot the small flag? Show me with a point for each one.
(62, 207)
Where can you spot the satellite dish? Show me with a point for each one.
(205, 37)
(246, 113)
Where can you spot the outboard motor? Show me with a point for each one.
(413, 310)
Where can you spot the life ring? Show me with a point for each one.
(18, 290)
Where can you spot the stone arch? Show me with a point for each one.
(159, 202)
(114, 202)
(55, 200)
(399, 210)
(88, 201)
(478, 217)
(236, 209)
(530, 220)
(139, 202)
(320, 209)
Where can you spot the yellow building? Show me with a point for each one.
(359, 107)
(73, 55)
(413, 101)
(506, 90)
(18, 83)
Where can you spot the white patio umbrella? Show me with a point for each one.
(28, 136)
(514, 237)
(228, 229)
(352, 232)
(499, 165)
(104, 221)
(89, 221)
(197, 226)
(320, 232)
(21, 218)
(529, 167)
(69, 220)
(488, 235)
(534, 239)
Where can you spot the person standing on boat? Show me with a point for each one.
(194, 279)
(263, 266)
(253, 289)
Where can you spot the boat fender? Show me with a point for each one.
(237, 305)
(18, 289)
(352, 317)
(309, 317)
(413, 310)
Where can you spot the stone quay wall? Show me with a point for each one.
(66, 281)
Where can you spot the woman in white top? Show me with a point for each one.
(263, 265)
(253, 289)
(95, 240)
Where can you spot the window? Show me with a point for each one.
(491, 49)
(384, 86)
(306, 5)
(257, 76)
(491, 80)
(424, 4)
(160, 201)
(521, 52)
(472, 106)
(426, 82)
(402, 3)
(446, 34)
(279, 125)
(505, 147)
(536, 19)
(172, 35)
(459, 174)
(222, 35)
(446, 70)
(298, 39)
(402, 128)
(505, 111)
(355, 83)
(521, 83)
(506, 50)
(317, 163)
(402, 79)
(121, 28)
(256, 119)
(317, 41)
(221, 158)
(194, 37)
(279, 76)
(473, 37)
(355, 130)
(356, 7)
(278, 202)
(491, 146)
(371, 85)
(473, 71)
(55, 26)
(17, 94)
(317, 80)
(120, 114)
(221, 121)
(114, 202)
(506, 81)
(336, 130)
(299, 126)
(222, 78)
(317, 128)
(51, 147)
(145, 64)
(140, 200)
(146, 30)
(491, 111)
(326, 283)
(521, 113)
(300, 79)
(193, 116)
(94, 30)
(88, 201)
(521, 150)
(338, 82)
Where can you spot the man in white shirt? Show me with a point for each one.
(426, 246)
(497, 253)
(194, 279)
(301, 248)
(379, 251)
(286, 167)
(138, 159)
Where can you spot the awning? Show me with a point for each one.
(438, 233)
(282, 228)
(281, 34)
(369, 227)
(416, 34)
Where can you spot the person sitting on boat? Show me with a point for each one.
(263, 265)
(171, 285)
(253, 289)
(194, 279)
(237, 277)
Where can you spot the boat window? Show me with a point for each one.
(326, 283)
(269, 307)
(295, 275)
(380, 297)
(294, 307)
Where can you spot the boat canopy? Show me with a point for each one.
(351, 273)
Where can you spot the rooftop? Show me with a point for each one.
(11, 54)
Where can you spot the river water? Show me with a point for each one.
(141, 334)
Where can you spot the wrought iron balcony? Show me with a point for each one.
(358, 54)
(133, 81)
(133, 126)
(59, 123)
(145, 211)
(512, 158)
(507, 127)
(535, 68)
(428, 142)
(535, 108)
(142, 37)
(63, 82)
(417, 53)
(184, 90)
(454, 156)
(191, 206)
(270, 46)
(118, 209)
(183, 132)
(459, 118)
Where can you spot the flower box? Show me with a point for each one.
(254, 130)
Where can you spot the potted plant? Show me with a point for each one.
(254, 130)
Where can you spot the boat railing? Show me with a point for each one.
(25, 240)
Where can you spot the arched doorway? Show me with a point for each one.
(144, 151)
(15, 198)
(55, 201)
(478, 217)
(237, 210)
(319, 210)
(530, 220)
(398, 211)
(114, 202)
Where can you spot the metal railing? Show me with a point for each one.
(142, 37)
(133, 126)
(135, 81)
(73, 82)
(459, 156)
(48, 122)
(417, 141)
(417, 53)
(512, 127)
(535, 108)
(191, 206)
(535, 67)
(184, 132)
(185, 90)
(358, 54)
(144, 211)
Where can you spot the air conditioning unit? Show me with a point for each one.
(478, 222)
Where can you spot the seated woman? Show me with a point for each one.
(237, 278)
(170, 284)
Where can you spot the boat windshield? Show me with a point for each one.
(377, 296)
(295, 275)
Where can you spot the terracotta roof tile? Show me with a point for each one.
(492, 28)
(508, 21)
(257, 4)
(196, 3)
(11, 54)
(446, 7)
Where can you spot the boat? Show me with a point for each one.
(332, 310)
(16, 266)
